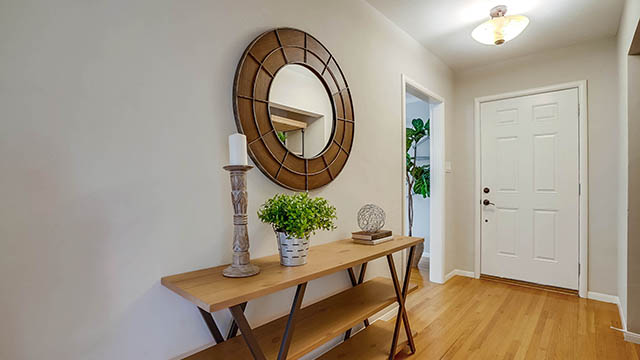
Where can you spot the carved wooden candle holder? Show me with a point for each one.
(240, 265)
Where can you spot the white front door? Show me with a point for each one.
(530, 179)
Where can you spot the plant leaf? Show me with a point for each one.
(418, 175)
(298, 215)
(418, 124)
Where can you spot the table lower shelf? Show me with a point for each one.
(316, 324)
(370, 343)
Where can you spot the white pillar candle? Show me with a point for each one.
(237, 149)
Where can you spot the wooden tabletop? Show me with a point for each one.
(211, 291)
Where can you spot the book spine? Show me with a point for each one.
(370, 237)
(373, 242)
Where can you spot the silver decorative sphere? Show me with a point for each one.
(371, 218)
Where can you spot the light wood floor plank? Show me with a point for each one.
(479, 319)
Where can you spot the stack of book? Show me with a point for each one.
(371, 238)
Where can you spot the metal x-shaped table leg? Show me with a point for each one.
(401, 295)
(250, 338)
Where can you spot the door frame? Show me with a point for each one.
(583, 227)
(438, 184)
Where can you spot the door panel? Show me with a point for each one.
(544, 161)
(507, 231)
(507, 163)
(544, 234)
(530, 159)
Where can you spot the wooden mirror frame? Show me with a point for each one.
(262, 59)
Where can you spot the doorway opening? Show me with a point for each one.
(428, 217)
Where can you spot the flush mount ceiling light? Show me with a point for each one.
(500, 28)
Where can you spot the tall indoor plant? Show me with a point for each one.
(295, 218)
(418, 176)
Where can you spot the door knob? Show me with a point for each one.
(486, 202)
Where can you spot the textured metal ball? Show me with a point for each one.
(371, 218)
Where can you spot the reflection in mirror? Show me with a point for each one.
(301, 110)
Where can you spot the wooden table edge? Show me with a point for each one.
(281, 286)
(197, 302)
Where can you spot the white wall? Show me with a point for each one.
(594, 62)
(628, 24)
(421, 206)
(115, 117)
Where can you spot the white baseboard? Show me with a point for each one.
(628, 336)
(632, 337)
(603, 297)
(609, 299)
(459, 272)
(623, 319)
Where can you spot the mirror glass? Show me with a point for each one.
(301, 110)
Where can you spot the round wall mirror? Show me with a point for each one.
(292, 101)
(301, 111)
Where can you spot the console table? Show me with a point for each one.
(305, 329)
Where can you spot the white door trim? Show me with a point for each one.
(583, 158)
(438, 186)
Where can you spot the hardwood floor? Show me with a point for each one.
(479, 319)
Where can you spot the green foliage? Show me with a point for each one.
(298, 215)
(282, 136)
(422, 183)
(420, 129)
(418, 176)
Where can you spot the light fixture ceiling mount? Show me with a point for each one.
(498, 11)
(500, 28)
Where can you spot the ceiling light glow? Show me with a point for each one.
(500, 28)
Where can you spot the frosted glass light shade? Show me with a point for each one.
(500, 29)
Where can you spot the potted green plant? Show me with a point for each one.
(418, 176)
(294, 219)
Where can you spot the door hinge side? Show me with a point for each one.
(578, 269)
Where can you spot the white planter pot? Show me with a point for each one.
(293, 251)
